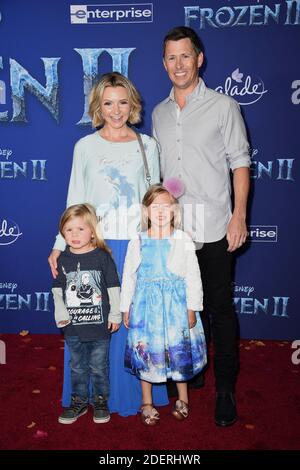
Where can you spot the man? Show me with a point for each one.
(202, 137)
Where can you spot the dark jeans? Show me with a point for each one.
(89, 362)
(215, 265)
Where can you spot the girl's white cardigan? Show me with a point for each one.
(182, 260)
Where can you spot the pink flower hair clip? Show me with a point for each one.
(175, 186)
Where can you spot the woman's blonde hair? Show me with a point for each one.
(88, 213)
(114, 79)
(154, 191)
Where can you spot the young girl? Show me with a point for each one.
(161, 296)
(86, 298)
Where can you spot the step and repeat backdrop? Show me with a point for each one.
(52, 51)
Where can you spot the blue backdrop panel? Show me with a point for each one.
(50, 54)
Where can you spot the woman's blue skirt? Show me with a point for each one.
(125, 389)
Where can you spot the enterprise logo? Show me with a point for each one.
(263, 233)
(117, 13)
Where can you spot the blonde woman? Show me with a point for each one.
(108, 172)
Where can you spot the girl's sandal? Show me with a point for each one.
(149, 417)
(181, 410)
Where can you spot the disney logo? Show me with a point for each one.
(245, 90)
(244, 289)
(9, 232)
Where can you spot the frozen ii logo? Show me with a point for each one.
(11, 170)
(245, 89)
(286, 13)
(247, 303)
(21, 80)
(279, 169)
(12, 299)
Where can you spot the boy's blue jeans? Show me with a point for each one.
(89, 362)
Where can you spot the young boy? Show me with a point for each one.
(87, 298)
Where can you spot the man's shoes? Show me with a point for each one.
(197, 381)
(101, 411)
(70, 415)
(225, 413)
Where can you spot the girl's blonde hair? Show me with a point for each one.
(154, 191)
(88, 213)
(114, 79)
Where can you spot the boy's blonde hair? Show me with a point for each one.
(88, 213)
(114, 79)
(154, 191)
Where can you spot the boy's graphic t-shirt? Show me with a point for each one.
(84, 279)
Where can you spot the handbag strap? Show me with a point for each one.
(148, 176)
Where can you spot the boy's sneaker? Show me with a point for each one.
(70, 415)
(101, 411)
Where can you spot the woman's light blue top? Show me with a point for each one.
(111, 177)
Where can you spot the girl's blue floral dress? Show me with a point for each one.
(160, 344)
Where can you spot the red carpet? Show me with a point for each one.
(268, 397)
